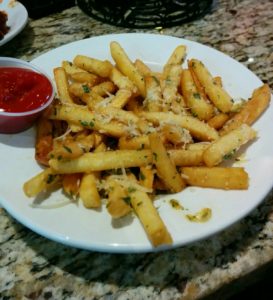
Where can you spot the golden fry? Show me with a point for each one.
(150, 219)
(198, 129)
(84, 77)
(220, 98)
(71, 184)
(108, 160)
(41, 182)
(218, 120)
(118, 204)
(88, 191)
(121, 81)
(143, 69)
(125, 65)
(82, 116)
(96, 66)
(146, 176)
(216, 177)
(176, 58)
(194, 100)
(153, 100)
(251, 111)
(226, 146)
(166, 169)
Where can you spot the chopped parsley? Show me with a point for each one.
(86, 88)
(141, 176)
(127, 200)
(131, 189)
(50, 178)
(196, 95)
(230, 154)
(67, 149)
(84, 123)
(91, 124)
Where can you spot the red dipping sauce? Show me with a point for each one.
(22, 90)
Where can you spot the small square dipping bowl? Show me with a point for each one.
(13, 122)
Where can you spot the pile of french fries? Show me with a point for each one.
(119, 133)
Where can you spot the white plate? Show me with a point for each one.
(73, 225)
(17, 18)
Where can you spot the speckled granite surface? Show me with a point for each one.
(32, 267)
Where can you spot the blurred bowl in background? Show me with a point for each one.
(38, 9)
(145, 13)
(25, 92)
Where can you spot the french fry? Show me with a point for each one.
(71, 184)
(96, 66)
(216, 177)
(41, 182)
(121, 81)
(88, 191)
(199, 87)
(194, 100)
(176, 58)
(121, 98)
(251, 111)
(146, 176)
(175, 134)
(62, 85)
(84, 77)
(197, 128)
(125, 65)
(153, 100)
(134, 143)
(121, 115)
(83, 91)
(108, 160)
(150, 219)
(218, 120)
(101, 147)
(166, 169)
(172, 100)
(118, 204)
(82, 116)
(98, 139)
(69, 148)
(104, 88)
(182, 157)
(71, 69)
(220, 98)
(63, 91)
(226, 146)
(198, 146)
(143, 69)
(44, 140)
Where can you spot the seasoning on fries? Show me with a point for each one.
(123, 133)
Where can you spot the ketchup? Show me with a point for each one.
(22, 90)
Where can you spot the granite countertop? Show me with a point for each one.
(32, 267)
